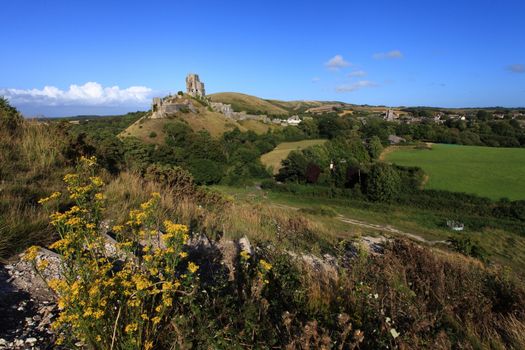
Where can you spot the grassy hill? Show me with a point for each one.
(204, 119)
(275, 157)
(250, 104)
(256, 105)
(485, 171)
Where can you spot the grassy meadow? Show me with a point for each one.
(273, 159)
(485, 171)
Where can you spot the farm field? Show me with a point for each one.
(486, 171)
(274, 157)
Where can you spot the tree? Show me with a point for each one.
(483, 115)
(206, 171)
(382, 183)
(294, 167)
(375, 147)
(312, 173)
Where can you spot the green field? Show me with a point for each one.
(486, 171)
(274, 158)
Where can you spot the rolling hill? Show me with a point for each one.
(247, 103)
(256, 105)
(151, 130)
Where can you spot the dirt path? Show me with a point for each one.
(377, 227)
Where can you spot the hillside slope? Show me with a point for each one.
(250, 104)
(152, 130)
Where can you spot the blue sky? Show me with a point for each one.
(110, 57)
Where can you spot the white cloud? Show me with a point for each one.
(516, 68)
(89, 94)
(337, 62)
(394, 54)
(316, 80)
(357, 73)
(356, 86)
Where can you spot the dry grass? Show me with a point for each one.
(214, 123)
(32, 167)
(251, 104)
(41, 146)
(260, 223)
(257, 126)
(437, 301)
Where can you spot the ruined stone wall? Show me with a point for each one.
(194, 87)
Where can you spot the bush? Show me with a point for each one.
(152, 134)
(466, 246)
(382, 183)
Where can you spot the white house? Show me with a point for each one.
(294, 120)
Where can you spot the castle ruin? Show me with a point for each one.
(194, 87)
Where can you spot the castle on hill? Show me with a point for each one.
(170, 105)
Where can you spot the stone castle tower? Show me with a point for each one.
(194, 86)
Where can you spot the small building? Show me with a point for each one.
(294, 120)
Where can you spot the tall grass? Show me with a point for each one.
(32, 164)
(41, 147)
(230, 219)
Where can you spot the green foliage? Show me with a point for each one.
(152, 134)
(172, 176)
(206, 171)
(382, 183)
(375, 148)
(464, 245)
(10, 119)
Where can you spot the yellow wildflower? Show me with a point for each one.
(141, 283)
(265, 265)
(134, 302)
(54, 195)
(155, 319)
(97, 181)
(98, 314)
(91, 161)
(130, 328)
(117, 228)
(183, 254)
(42, 265)
(31, 253)
(245, 255)
(193, 267)
(69, 178)
(148, 345)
